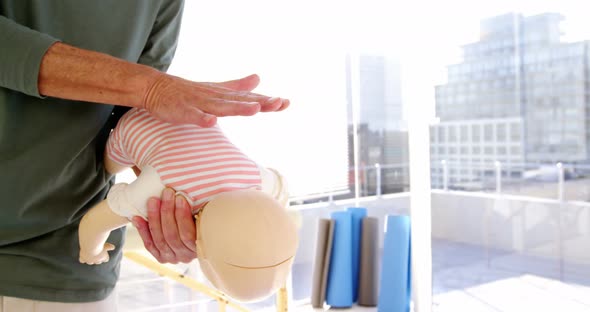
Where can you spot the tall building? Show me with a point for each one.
(382, 132)
(519, 96)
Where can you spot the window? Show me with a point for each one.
(514, 150)
(452, 133)
(501, 132)
(441, 134)
(515, 132)
(475, 133)
(464, 133)
(488, 132)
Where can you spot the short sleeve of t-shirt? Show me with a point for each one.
(21, 52)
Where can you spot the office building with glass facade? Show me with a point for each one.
(520, 95)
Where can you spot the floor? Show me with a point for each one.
(465, 278)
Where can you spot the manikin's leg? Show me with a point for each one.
(94, 230)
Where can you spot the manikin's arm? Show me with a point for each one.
(123, 202)
(98, 223)
(94, 230)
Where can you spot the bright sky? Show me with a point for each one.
(425, 34)
(297, 48)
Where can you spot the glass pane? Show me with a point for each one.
(382, 131)
(518, 82)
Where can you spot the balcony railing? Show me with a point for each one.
(560, 181)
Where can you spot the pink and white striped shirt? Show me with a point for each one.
(196, 162)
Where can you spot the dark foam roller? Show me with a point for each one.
(321, 262)
(369, 263)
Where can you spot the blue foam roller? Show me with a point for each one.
(358, 213)
(339, 289)
(395, 287)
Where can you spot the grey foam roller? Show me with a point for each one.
(368, 278)
(322, 262)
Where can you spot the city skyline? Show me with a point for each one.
(520, 95)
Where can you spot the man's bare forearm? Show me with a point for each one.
(75, 74)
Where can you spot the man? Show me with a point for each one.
(62, 68)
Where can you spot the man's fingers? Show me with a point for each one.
(214, 92)
(109, 247)
(225, 102)
(168, 217)
(186, 224)
(161, 235)
(174, 230)
(192, 115)
(268, 104)
(248, 83)
(284, 105)
(155, 226)
(221, 108)
(144, 232)
(274, 105)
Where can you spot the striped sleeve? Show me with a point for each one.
(116, 146)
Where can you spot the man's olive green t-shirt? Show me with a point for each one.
(51, 168)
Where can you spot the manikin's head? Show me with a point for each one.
(246, 243)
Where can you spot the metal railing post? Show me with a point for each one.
(560, 198)
(560, 181)
(445, 174)
(498, 166)
(365, 190)
(378, 179)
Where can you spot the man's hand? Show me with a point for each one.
(177, 100)
(170, 233)
(71, 73)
